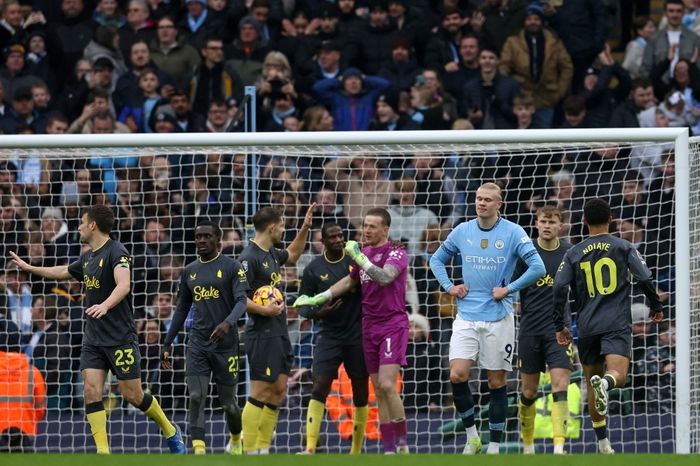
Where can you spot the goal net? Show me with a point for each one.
(160, 188)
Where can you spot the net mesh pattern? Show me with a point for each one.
(159, 194)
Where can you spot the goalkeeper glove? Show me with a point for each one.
(352, 249)
(317, 300)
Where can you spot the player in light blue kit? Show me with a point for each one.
(484, 330)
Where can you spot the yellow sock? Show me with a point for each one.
(314, 417)
(527, 422)
(199, 447)
(98, 426)
(268, 422)
(251, 421)
(156, 413)
(560, 416)
(359, 423)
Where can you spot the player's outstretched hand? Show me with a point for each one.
(564, 336)
(304, 300)
(97, 311)
(328, 308)
(274, 308)
(657, 316)
(352, 249)
(220, 332)
(18, 262)
(499, 293)
(459, 291)
(165, 351)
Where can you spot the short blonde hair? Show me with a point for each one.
(493, 187)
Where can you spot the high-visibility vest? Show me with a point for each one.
(22, 393)
(543, 418)
(342, 411)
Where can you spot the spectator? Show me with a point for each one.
(18, 427)
(582, 28)
(574, 107)
(138, 28)
(674, 40)
(59, 249)
(349, 23)
(626, 115)
(269, 30)
(326, 63)
(468, 68)
(218, 120)
(377, 37)
(362, 183)
(49, 349)
(187, 120)
(212, 79)
(441, 53)
(502, 19)
(524, 109)
(247, 52)
(12, 24)
(328, 211)
(127, 89)
(97, 103)
(408, 220)
(107, 13)
(22, 113)
(137, 114)
(42, 99)
(198, 22)
(546, 76)
(17, 298)
(565, 197)
(15, 74)
(73, 100)
(388, 117)
(403, 69)
(634, 51)
(74, 30)
(600, 98)
(171, 53)
(488, 99)
(410, 23)
(106, 44)
(686, 79)
(352, 100)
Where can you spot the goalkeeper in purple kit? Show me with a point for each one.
(382, 275)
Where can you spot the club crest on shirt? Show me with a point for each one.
(499, 244)
(484, 243)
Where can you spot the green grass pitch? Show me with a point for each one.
(345, 460)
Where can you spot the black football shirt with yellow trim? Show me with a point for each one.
(95, 269)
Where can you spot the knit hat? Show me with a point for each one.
(535, 8)
(390, 98)
(352, 72)
(640, 313)
(251, 21)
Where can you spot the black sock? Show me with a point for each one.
(611, 381)
(464, 402)
(146, 403)
(497, 413)
(601, 432)
(559, 396)
(527, 401)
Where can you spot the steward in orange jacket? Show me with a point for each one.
(22, 394)
(342, 411)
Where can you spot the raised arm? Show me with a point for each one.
(59, 272)
(297, 247)
(339, 288)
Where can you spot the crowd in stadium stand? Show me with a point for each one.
(170, 66)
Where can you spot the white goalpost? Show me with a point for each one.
(161, 184)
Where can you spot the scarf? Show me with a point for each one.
(195, 24)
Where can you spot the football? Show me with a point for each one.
(265, 294)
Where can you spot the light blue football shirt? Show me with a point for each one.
(488, 258)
